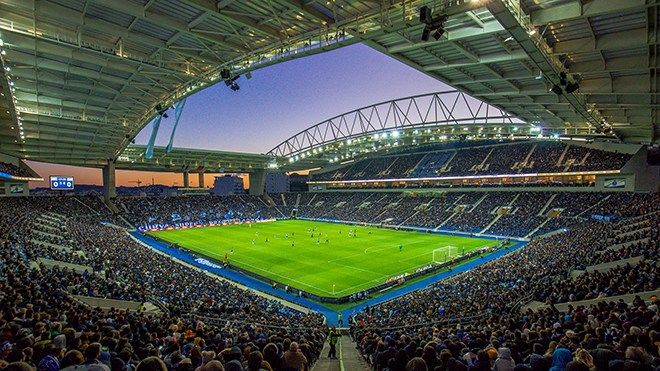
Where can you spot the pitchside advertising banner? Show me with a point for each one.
(61, 183)
(188, 225)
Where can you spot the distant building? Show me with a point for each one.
(276, 183)
(228, 185)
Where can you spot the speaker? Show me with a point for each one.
(426, 33)
(425, 14)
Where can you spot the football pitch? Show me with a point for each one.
(326, 259)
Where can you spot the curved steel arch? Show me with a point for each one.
(445, 108)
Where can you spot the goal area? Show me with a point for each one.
(445, 253)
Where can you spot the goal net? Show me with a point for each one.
(445, 253)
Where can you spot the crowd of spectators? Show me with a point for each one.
(471, 212)
(585, 159)
(503, 159)
(466, 160)
(643, 248)
(43, 328)
(451, 211)
(403, 166)
(40, 325)
(14, 170)
(480, 212)
(627, 204)
(625, 279)
(436, 210)
(544, 158)
(646, 243)
(168, 211)
(510, 158)
(37, 296)
(471, 321)
(431, 164)
(528, 204)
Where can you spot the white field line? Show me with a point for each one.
(275, 274)
(380, 279)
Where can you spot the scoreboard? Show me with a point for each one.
(61, 183)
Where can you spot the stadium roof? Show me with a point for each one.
(193, 160)
(81, 78)
(511, 55)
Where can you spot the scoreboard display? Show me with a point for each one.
(61, 183)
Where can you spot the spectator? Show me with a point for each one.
(294, 359)
(560, 358)
(504, 361)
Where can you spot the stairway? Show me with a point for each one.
(476, 204)
(514, 200)
(584, 159)
(348, 357)
(527, 157)
(445, 221)
(491, 224)
(594, 205)
(563, 154)
(481, 165)
(132, 227)
(446, 165)
(109, 204)
(545, 207)
(530, 234)
(123, 206)
(408, 218)
(310, 201)
(94, 212)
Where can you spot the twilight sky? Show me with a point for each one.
(278, 102)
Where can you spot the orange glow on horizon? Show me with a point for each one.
(126, 178)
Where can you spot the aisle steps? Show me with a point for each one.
(348, 358)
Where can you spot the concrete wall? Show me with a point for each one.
(646, 178)
(607, 146)
(109, 188)
(6, 185)
(629, 180)
(12, 188)
(257, 182)
(9, 159)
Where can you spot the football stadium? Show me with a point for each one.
(453, 185)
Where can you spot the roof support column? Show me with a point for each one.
(186, 179)
(201, 180)
(257, 182)
(109, 190)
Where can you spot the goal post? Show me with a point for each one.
(445, 253)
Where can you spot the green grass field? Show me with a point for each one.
(341, 266)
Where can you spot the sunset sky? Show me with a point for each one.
(278, 102)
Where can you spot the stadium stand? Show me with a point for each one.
(519, 157)
(473, 318)
(576, 291)
(37, 305)
(484, 300)
(470, 212)
(14, 170)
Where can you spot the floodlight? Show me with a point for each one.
(571, 87)
(556, 89)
